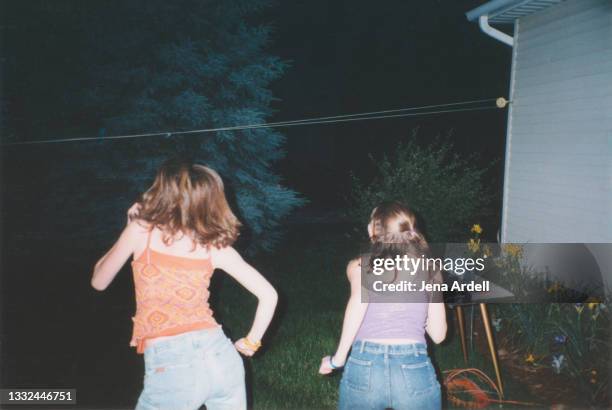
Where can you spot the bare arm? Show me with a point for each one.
(111, 263)
(353, 316)
(229, 260)
(436, 322)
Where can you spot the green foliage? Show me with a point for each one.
(574, 339)
(448, 192)
(571, 339)
(160, 66)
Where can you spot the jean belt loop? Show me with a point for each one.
(362, 346)
(386, 351)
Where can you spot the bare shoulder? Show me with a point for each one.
(137, 228)
(136, 232)
(221, 256)
(353, 268)
(224, 252)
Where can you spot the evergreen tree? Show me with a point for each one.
(168, 66)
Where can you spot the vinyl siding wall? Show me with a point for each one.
(558, 182)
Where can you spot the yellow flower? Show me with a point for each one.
(555, 287)
(474, 245)
(592, 305)
(476, 229)
(530, 358)
(513, 250)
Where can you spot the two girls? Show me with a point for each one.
(182, 230)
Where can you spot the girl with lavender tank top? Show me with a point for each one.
(388, 366)
(394, 321)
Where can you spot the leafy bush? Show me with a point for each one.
(566, 341)
(571, 339)
(446, 191)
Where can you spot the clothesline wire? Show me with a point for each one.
(373, 115)
(423, 107)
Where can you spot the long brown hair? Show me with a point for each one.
(188, 198)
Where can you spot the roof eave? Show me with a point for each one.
(488, 8)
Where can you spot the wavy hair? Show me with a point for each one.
(189, 199)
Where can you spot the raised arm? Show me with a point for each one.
(111, 263)
(230, 261)
(353, 316)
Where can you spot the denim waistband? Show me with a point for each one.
(388, 349)
(194, 338)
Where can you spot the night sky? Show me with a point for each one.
(350, 57)
(345, 57)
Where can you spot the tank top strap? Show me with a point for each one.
(148, 250)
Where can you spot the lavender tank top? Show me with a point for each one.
(394, 321)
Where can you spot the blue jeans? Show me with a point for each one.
(191, 369)
(380, 376)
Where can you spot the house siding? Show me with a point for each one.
(558, 177)
(558, 183)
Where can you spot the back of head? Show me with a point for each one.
(394, 234)
(394, 226)
(188, 198)
(394, 314)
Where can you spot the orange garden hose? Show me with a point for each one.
(463, 391)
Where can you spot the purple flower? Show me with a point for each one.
(557, 363)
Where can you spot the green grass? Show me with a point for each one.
(309, 275)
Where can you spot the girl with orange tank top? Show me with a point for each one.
(179, 232)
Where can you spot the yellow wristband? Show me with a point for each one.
(251, 345)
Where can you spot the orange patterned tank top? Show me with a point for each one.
(171, 295)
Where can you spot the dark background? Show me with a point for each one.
(345, 57)
(352, 56)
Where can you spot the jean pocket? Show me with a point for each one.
(224, 366)
(164, 360)
(357, 374)
(419, 377)
(169, 380)
(170, 388)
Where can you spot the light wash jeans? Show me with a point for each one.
(191, 369)
(380, 376)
